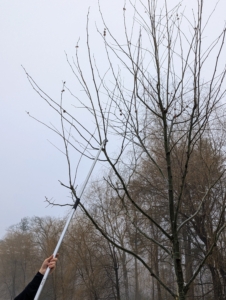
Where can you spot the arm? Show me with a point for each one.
(31, 289)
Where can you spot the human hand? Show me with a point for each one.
(49, 262)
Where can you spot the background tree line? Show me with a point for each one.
(91, 267)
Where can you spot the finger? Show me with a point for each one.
(49, 258)
(54, 259)
(52, 266)
(52, 262)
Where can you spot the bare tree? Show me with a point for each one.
(160, 97)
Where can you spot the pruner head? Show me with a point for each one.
(105, 142)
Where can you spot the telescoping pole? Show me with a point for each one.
(68, 221)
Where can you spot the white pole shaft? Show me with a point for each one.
(68, 221)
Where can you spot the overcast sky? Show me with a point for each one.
(36, 34)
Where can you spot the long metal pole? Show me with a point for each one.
(68, 221)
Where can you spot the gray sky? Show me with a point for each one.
(35, 34)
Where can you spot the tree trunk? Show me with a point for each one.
(217, 286)
(125, 276)
(117, 283)
(156, 266)
(178, 269)
(188, 262)
(136, 281)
